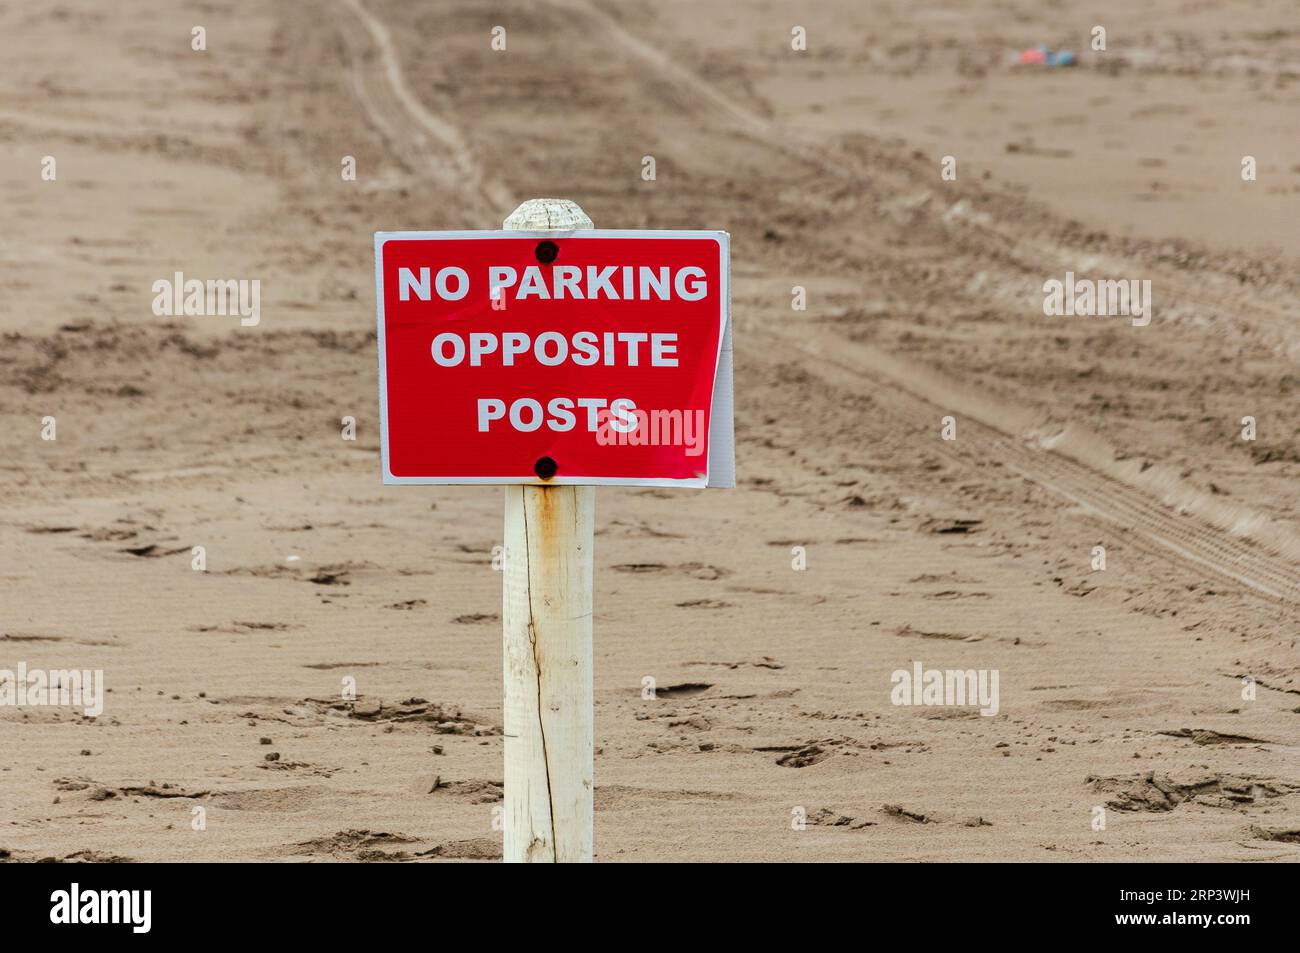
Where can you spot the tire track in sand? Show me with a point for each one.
(1232, 543)
(1216, 296)
(919, 400)
(421, 139)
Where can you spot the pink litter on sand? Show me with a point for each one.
(1044, 56)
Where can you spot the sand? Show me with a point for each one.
(772, 735)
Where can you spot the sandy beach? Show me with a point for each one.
(1161, 690)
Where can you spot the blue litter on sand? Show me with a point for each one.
(1043, 56)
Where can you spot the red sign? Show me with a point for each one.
(578, 357)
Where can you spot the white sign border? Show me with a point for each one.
(724, 245)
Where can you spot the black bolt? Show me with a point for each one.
(547, 252)
(545, 467)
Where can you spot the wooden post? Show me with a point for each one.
(547, 660)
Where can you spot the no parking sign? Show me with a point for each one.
(579, 357)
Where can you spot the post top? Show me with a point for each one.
(560, 214)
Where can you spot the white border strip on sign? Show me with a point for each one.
(724, 247)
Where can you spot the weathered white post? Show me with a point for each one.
(546, 618)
